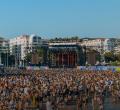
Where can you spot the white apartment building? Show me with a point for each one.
(117, 49)
(18, 46)
(108, 45)
(22, 45)
(99, 44)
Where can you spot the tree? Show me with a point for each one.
(40, 52)
(28, 58)
(110, 56)
(11, 60)
(115, 63)
(75, 38)
(118, 57)
(98, 57)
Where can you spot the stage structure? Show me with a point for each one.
(64, 55)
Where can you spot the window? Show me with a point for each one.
(34, 39)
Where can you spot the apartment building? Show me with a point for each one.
(99, 44)
(22, 45)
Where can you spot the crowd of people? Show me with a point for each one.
(55, 88)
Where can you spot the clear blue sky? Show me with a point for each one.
(60, 18)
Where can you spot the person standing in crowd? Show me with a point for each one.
(22, 89)
(48, 105)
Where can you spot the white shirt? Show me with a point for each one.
(48, 105)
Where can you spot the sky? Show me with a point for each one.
(60, 18)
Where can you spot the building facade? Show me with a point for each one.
(21, 45)
(109, 45)
(92, 57)
(99, 44)
(4, 51)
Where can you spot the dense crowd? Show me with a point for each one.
(57, 87)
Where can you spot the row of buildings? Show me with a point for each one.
(19, 47)
(24, 44)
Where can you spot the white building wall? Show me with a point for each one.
(99, 44)
(24, 45)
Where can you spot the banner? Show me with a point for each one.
(36, 68)
(117, 69)
(100, 68)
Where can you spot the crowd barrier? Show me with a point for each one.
(36, 67)
(92, 68)
(101, 68)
